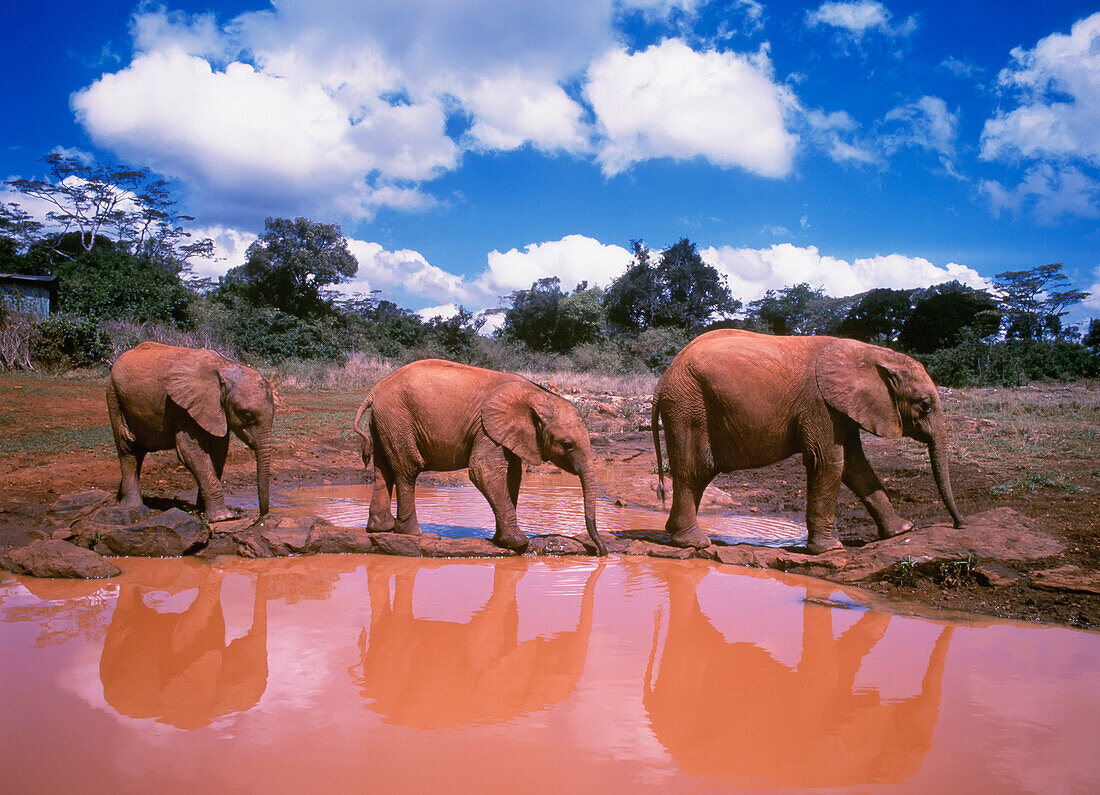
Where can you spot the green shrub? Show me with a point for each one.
(64, 341)
(979, 362)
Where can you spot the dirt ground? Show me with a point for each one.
(1035, 451)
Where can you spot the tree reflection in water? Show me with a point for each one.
(429, 674)
(732, 712)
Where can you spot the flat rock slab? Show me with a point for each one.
(70, 507)
(1001, 534)
(1066, 578)
(162, 535)
(277, 537)
(436, 547)
(554, 544)
(54, 558)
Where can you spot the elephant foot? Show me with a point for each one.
(512, 539)
(895, 528)
(380, 524)
(693, 537)
(821, 544)
(223, 514)
(129, 501)
(407, 528)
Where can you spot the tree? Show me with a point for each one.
(942, 313)
(289, 267)
(799, 309)
(1092, 336)
(92, 201)
(1035, 301)
(680, 290)
(878, 316)
(546, 319)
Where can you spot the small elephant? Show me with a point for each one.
(162, 396)
(738, 400)
(442, 416)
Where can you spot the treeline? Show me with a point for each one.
(122, 258)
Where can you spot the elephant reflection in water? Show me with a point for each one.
(430, 674)
(177, 667)
(732, 712)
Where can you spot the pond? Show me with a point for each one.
(352, 673)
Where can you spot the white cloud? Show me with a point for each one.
(751, 272)
(1058, 83)
(403, 270)
(443, 312)
(1092, 303)
(512, 109)
(929, 125)
(230, 246)
(573, 259)
(836, 134)
(672, 101)
(1052, 192)
(854, 20)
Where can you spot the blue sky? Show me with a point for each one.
(467, 149)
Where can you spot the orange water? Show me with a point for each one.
(368, 673)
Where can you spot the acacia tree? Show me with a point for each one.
(290, 266)
(679, 290)
(94, 201)
(1035, 301)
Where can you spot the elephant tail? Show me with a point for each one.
(656, 416)
(364, 408)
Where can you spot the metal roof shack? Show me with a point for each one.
(35, 294)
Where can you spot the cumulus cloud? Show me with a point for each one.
(403, 271)
(573, 259)
(672, 101)
(512, 110)
(751, 272)
(1058, 86)
(1052, 192)
(854, 20)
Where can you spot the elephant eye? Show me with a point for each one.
(926, 406)
(567, 444)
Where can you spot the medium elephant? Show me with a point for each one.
(161, 396)
(439, 674)
(737, 400)
(442, 416)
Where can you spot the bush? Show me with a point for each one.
(978, 362)
(276, 336)
(65, 341)
(655, 348)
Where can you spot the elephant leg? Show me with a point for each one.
(823, 474)
(129, 486)
(380, 519)
(497, 475)
(405, 486)
(194, 455)
(219, 451)
(692, 471)
(864, 483)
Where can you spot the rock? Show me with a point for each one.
(716, 499)
(994, 575)
(219, 544)
(436, 547)
(637, 546)
(70, 507)
(54, 558)
(556, 544)
(400, 544)
(1066, 578)
(341, 540)
(163, 535)
(277, 537)
(1001, 534)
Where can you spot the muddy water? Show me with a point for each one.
(547, 504)
(368, 673)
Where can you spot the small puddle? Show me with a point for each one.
(547, 504)
(351, 673)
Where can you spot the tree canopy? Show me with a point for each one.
(941, 314)
(680, 290)
(546, 319)
(1033, 302)
(290, 266)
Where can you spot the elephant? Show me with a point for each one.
(441, 416)
(760, 722)
(735, 399)
(179, 667)
(428, 673)
(161, 396)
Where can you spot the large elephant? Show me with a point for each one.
(729, 710)
(736, 400)
(442, 416)
(161, 397)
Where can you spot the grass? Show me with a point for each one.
(48, 441)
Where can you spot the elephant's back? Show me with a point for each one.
(430, 382)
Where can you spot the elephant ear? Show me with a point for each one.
(195, 386)
(509, 418)
(857, 380)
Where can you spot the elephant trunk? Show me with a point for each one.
(588, 487)
(937, 454)
(263, 468)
